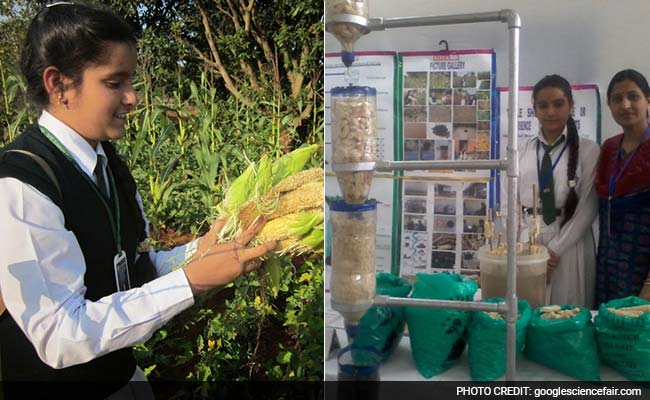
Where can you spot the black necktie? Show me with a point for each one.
(547, 194)
(101, 180)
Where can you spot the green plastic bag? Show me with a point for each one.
(565, 345)
(487, 341)
(437, 334)
(624, 342)
(383, 327)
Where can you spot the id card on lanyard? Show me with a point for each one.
(616, 175)
(120, 264)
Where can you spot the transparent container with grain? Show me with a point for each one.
(354, 139)
(348, 32)
(531, 275)
(353, 279)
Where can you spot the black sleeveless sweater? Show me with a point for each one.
(86, 217)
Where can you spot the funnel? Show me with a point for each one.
(354, 140)
(347, 20)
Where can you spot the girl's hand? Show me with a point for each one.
(552, 263)
(219, 264)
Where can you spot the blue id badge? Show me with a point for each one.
(121, 272)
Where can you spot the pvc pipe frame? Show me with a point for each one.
(510, 308)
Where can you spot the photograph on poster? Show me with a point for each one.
(484, 85)
(427, 150)
(472, 241)
(469, 260)
(440, 80)
(440, 130)
(415, 188)
(483, 115)
(473, 225)
(440, 97)
(445, 190)
(415, 223)
(465, 150)
(444, 207)
(483, 125)
(444, 224)
(482, 151)
(440, 114)
(464, 114)
(443, 259)
(443, 150)
(443, 241)
(415, 131)
(483, 138)
(464, 131)
(483, 75)
(415, 205)
(411, 150)
(484, 105)
(474, 207)
(415, 114)
(415, 80)
(415, 97)
(483, 95)
(465, 97)
(475, 190)
(414, 251)
(464, 80)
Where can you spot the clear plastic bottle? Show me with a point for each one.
(349, 32)
(353, 279)
(354, 138)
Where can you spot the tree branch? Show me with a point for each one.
(227, 79)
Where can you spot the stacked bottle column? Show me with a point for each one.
(354, 139)
(353, 281)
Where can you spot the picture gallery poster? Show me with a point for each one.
(447, 114)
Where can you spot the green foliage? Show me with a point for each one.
(240, 333)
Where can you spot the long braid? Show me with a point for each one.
(573, 142)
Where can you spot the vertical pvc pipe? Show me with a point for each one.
(514, 25)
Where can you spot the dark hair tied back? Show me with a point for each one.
(70, 37)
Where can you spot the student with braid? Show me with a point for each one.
(561, 164)
(623, 186)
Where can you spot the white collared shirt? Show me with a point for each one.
(42, 269)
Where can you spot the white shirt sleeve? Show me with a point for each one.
(587, 208)
(167, 260)
(41, 281)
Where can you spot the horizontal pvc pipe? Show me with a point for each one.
(382, 300)
(439, 164)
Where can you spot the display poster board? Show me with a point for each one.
(377, 70)
(586, 113)
(447, 113)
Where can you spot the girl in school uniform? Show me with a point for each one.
(561, 165)
(79, 287)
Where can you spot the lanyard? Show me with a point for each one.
(542, 179)
(615, 175)
(113, 220)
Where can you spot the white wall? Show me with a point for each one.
(586, 41)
